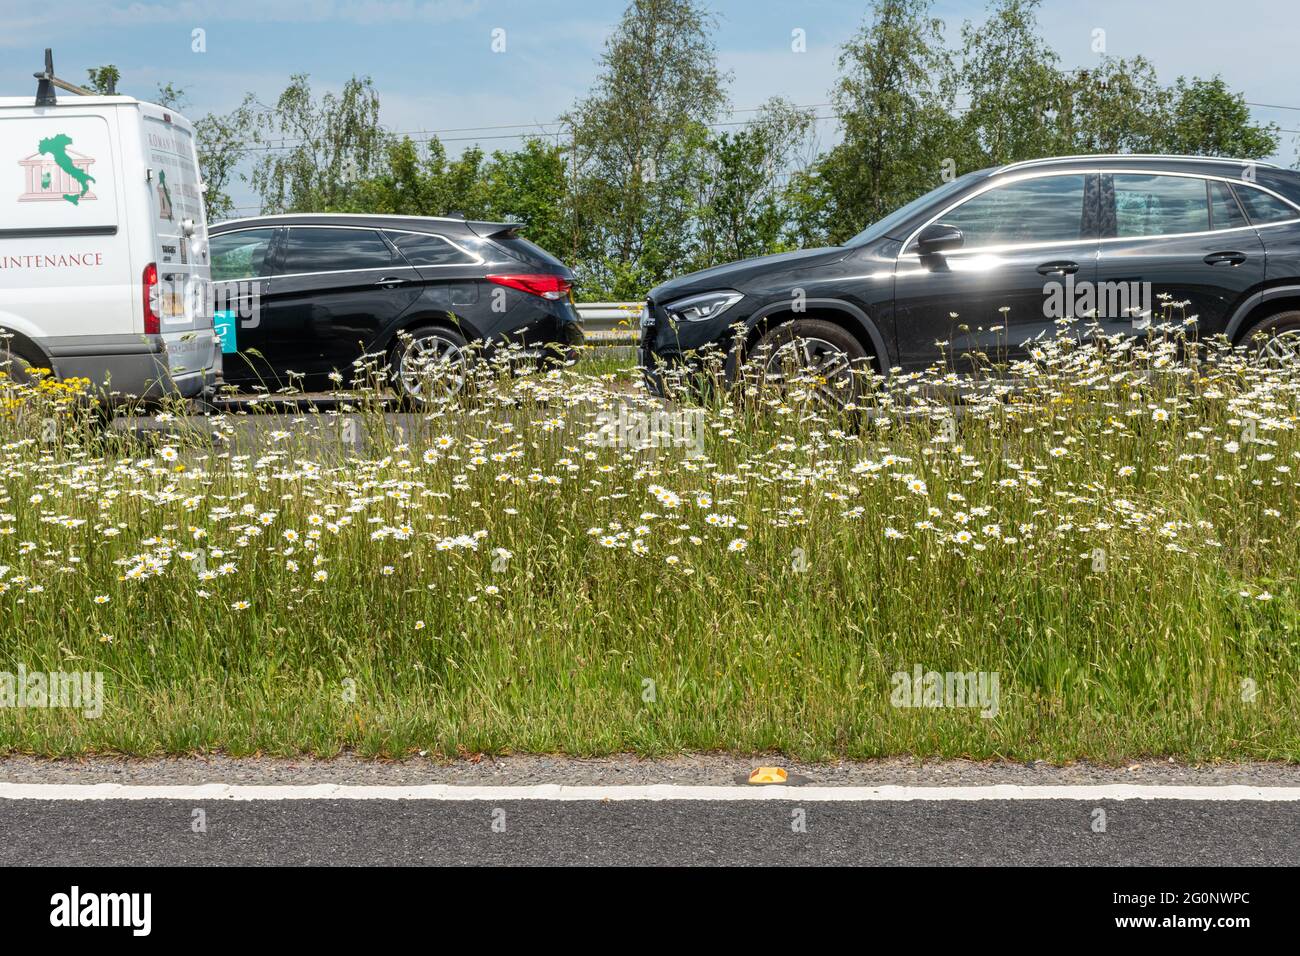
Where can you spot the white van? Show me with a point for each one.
(104, 246)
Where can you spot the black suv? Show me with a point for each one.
(303, 296)
(991, 260)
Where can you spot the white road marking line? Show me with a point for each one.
(656, 792)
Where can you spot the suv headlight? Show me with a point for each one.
(699, 308)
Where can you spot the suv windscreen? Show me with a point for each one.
(883, 227)
(1264, 207)
(1043, 209)
(239, 255)
(319, 249)
(1156, 205)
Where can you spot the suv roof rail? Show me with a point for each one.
(47, 81)
(1163, 156)
(343, 215)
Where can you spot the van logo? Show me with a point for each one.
(57, 172)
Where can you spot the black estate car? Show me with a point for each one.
(304, 296)
(994, 258)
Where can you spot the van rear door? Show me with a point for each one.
(179, 233)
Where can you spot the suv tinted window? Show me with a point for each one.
(334, 250)
(1154, 205)
(1224, 211)
(1047, 209)
(428, 250)
(239, 255)
(1262, 207)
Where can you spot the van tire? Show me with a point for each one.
(19, 367)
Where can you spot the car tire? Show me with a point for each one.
(428, 363)
(1276, 340)
(819, 348)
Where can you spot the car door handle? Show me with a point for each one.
(389, 282)
(1225, 258)
(1059, 267)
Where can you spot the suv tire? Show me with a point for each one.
(818, 348)
(1276, 339)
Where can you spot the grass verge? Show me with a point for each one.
(1115, 542)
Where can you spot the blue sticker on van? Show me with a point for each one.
(224, 321)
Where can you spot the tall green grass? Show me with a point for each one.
(1115, 536)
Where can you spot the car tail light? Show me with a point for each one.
(547, 286)
(152, 321)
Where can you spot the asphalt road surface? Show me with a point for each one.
(360, 832)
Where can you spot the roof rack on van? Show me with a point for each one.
(45, 95)
(1165, 156)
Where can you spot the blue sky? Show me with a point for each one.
(434, 68)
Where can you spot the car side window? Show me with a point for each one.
(1157, 205)
(239, 255)
(321, 249)
(1044, 209)
(422, 249)
(1224, 211)
(1264, 207)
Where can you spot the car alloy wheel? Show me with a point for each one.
(1281, 349)
(814, 365)
(433, 364)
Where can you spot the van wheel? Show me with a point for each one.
(429, 363)
(813, 357)
(18, 368)
(1276, 341)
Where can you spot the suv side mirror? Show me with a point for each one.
(938, 237)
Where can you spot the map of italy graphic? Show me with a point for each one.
(56, 147)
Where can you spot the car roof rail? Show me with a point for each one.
(1174, 157)
(47, 81)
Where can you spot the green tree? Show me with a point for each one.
(894, 102)
(103, 79)
(743, 209)
(414, 182)
(224, 142)
(1016, 93)
(172, 97)
(1205, 118)
(315, 151)
(1116, 107)
(637, 141)
(531, 185)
